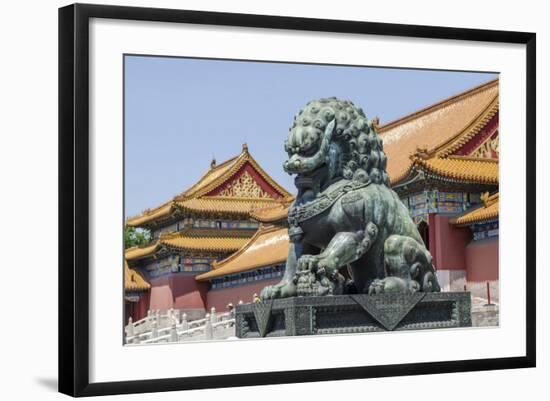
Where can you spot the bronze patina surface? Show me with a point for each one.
(350, 233)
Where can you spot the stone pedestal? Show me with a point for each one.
(356, 313)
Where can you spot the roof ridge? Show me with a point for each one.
(435, 106)
(222, 164)
(279, 188)
(189, 193)
(244, 157)
(471, 158)
(472, 128)
(233, 199)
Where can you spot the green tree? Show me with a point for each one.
(135, 237)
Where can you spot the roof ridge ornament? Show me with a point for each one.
(421, 153)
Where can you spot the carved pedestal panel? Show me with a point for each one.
(353, 314)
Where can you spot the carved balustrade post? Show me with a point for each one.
(148, 326)
(208, 330)
(173, 333)
(213, 315)
(155, 331)
(184, 322)
(130, 328)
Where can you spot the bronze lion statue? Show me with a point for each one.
(345, 215)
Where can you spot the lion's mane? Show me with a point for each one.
(356, 150)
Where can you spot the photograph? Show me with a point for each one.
(254, 199)
(275, 200)
(278, 199)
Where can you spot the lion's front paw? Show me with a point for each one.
(270, 292)
(284, 289)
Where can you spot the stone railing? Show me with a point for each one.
(174, 327)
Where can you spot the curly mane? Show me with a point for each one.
(356, 150)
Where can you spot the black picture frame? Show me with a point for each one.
(74, 194)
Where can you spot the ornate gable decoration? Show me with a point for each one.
(240, 178)
(244, 186)
(488, 149)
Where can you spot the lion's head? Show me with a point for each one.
(335, 135)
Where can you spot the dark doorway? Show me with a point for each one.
(424, 230)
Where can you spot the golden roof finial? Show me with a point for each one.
(245, 147)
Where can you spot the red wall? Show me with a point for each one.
(219, 298)
(482, 260)
(448, 243)
(178, 291)
(138, 310)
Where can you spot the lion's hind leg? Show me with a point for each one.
(408, 267)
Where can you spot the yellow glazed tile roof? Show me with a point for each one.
(138, 252)
(191, 199)
(133, 281)
(217, 175)
(267, 247)
(481, 171)
(148, 215)
(272, 213)
(488, 211)
(440, 128)
(203, 243)
(213, 175)
(212, 204)
(194, 239)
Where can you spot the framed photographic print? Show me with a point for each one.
(276, 194)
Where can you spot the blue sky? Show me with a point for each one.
(179, 113)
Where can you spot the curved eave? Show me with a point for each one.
(221, 244)
(485, 213)
(474, 171)
(272, 214)
(238, 262)
(149, 216)
(140, 252)
(133, 280)
(224, 205)
(438, 130)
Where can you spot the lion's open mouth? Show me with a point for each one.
(311, 179)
